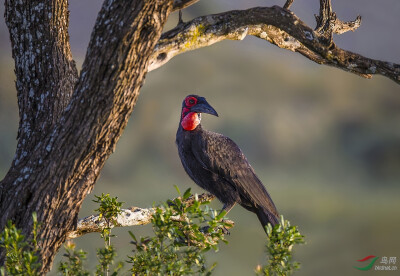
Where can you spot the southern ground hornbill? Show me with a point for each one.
(218, 165)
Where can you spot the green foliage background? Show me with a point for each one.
(325, 143)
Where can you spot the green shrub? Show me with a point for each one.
(21, 253)
(183, 233)
(280, 241)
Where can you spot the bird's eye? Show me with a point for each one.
(190, 101)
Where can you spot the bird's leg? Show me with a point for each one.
(180, 20)
(226, 208)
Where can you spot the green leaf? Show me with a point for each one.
(187, 194)
(34, 217)
(177, 189)
(221, 215)
(132, 236)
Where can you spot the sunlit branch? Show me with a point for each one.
(129, 217)
(275, 25)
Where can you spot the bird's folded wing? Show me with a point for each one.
(219, 154)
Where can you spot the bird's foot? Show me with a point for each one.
(225, 230)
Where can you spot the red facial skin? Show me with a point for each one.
(191, 120)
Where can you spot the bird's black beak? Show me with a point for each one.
(203, 106)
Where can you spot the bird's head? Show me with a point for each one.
(192, 107)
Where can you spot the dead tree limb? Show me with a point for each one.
(288, 4)
(278, 26)
(132, 216)
(328, 23)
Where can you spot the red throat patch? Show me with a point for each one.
(190, 121)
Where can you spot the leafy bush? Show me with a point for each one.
(74, 264)
(21, 253)
(281, 239)
(184, 230)
(183, 233)
(108, 210)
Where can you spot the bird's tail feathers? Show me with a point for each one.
(266, 217)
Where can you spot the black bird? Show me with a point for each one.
(218, 165)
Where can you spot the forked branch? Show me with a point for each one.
(278, 26)
(328, 23)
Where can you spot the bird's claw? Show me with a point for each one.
(225, 230)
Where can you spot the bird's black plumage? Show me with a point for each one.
(218, 165)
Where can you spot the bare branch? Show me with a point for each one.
(274, 24)
(288, 4)
(181, 4)
(328, 23)
(325, 18)
(341, 27)
(129, 217)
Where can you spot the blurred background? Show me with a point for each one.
(325, 142)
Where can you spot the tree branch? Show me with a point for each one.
(288, 4)
(129, 217)
(182, 4)
(328, 23)
(325, 21)
(341, 27)
(276, 25)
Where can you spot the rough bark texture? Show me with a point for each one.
(328, 23)
(46, 73)
(60, 168)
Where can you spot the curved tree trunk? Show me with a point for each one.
(70, 126)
